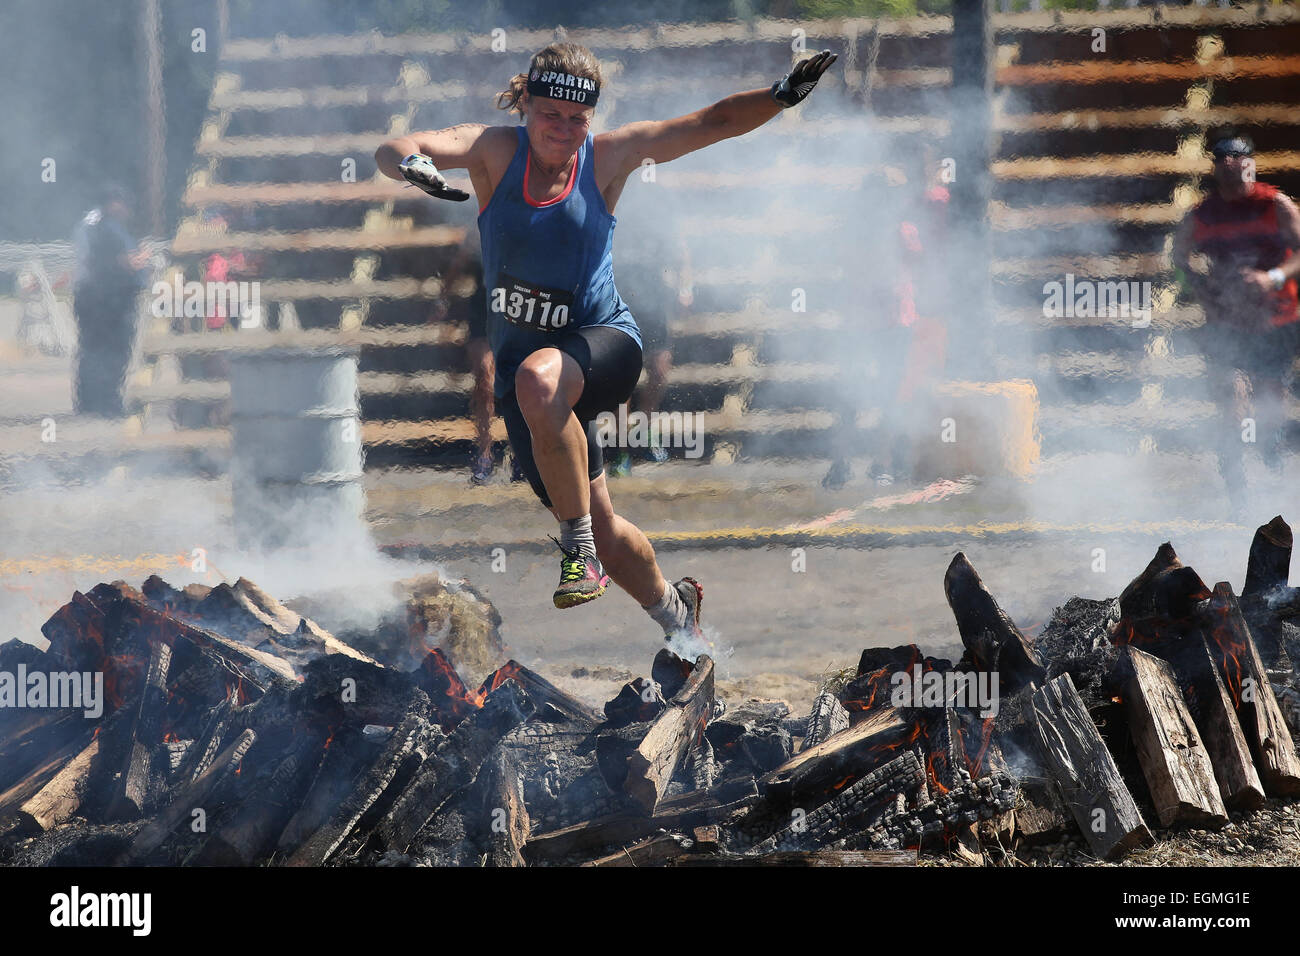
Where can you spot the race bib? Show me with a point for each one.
(531, 306)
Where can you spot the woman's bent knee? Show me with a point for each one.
(537, 391)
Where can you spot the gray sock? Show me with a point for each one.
(575, 535)
(669, 612)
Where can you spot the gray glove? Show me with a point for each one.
(418, 170)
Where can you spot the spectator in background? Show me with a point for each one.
(468, 263)
(1250, 234)
(39, 328)
(224, 266)
(923, 307)
(911, 340)
(111, 271)
(654, 279)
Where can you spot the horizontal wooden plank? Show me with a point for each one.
(1127, 165)
(257, 340)
(314, 240)
(1086, 120)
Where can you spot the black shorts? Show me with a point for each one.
(610, 361)
(1267, 354)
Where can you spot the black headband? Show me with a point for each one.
(563, 86)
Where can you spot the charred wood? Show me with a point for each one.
(992, 639)
(1256, 705)
(1077, 759)
(1173, 756)
(671, 736)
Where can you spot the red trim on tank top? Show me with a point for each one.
(573, 177)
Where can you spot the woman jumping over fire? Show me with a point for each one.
(566, 345)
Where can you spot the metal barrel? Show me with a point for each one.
(296, 463)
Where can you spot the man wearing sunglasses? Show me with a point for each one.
(1248, 233)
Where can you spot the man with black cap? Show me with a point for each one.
(1250, 234)
(110, 273)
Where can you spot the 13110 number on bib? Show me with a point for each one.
(531, 306)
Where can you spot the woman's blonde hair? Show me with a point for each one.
(573, 58)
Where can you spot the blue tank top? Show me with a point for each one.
(548, 267)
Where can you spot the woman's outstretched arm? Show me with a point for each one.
(662, 141)
(452, 148)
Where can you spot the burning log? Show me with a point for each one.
(673, 813)
(59, 796)
(944, 813)
(947, 758)
(448, 693)
(1269, 563)
(817, 772)
(670, 672)
(77, 633)
(1164, 596)
(639, 700)
(454, 765)
(674, 732)
(1212, 709)
(541, 692)
(856, 807)
(252, 831)
(190, 797)
(164, 597)
(872, 687)
(208, 743)
(1077, 758)
(32, 756)
(403, 745)
(504, 809)
(993, 641)
(966, 846)
(1174, 760)
(703, 765)
(754, 732)
(114, 628)
(138, 776)
(345, 761)
(614, 745)
(828, 717)
(1257, 708)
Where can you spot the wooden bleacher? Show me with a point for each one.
(359, 261)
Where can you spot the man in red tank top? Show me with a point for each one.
(1248, 233)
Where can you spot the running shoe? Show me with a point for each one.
(582, 579)
(655, 450)
(516, 472)
(480, 472)
(692, 594)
